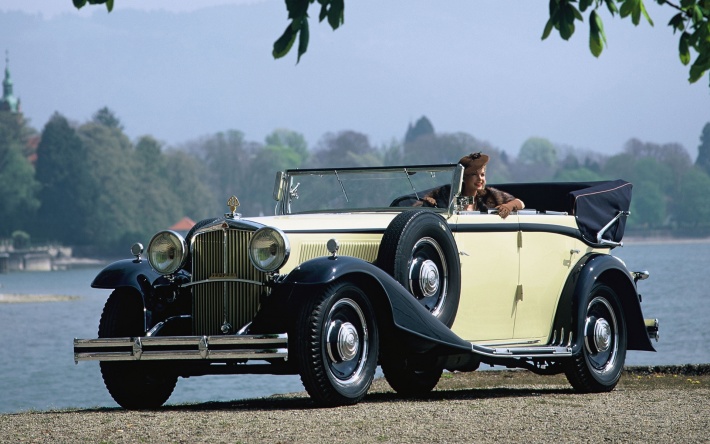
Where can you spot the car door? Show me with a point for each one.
(548, 253)
(488, 252)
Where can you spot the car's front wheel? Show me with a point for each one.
(133, 385)
(337, 344)
(598, 365)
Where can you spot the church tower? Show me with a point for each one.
(8, 102)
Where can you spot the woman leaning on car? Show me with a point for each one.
(476, 195)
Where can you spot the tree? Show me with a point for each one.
(110, 174)
(692, 22)
(345, 149)
(66, 193)
(106, 117)
(422, 127)
(703, 160)
(18, 188)
(693, 206)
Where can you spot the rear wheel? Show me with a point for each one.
(598, 365)
(408, 380)
(337, 344)
(132, 384)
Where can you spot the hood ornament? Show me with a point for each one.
(232, 203)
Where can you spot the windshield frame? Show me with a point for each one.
(286, 188)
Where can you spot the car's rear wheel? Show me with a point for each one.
(408, 380)
(132, 384)
(598, 365)
(337, 344)
(419, 251)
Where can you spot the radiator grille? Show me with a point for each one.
(364, 250)
(223, 254)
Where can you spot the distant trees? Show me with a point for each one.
(703, 160)
(18, 186)
(93, 187)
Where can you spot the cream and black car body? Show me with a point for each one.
(350, 274)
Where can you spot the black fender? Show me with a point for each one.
(132, 273)
(609, 269)
(407, 315)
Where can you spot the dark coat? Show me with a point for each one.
(490, 198)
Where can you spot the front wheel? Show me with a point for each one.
(337, 344)
(598, 365)
(133, 385)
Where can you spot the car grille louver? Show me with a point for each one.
(223, 254)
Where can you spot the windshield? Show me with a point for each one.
(361, 189)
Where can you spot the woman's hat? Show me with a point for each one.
(474, 161)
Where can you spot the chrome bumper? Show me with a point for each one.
(152, 348)
(652, 328)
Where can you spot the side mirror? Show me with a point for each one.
(278, 185)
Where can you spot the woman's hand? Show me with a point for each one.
(505, 209)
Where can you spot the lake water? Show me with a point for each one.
(37, 369)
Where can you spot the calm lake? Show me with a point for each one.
(37, 370)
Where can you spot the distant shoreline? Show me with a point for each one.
(12, 298)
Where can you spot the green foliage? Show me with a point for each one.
(577, 175)
(648, 206)
(703, 160)
(693, 205)
(538, 151)
(422, 127)
(20, 240)
(332, 10)
(18, 188)
(344, 149)
(692, 22)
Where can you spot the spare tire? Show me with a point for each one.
(419, 251)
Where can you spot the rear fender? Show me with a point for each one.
(605, 268)
(399, 308)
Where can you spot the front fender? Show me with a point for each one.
(611, 270)
(408, 315)
(126, 273)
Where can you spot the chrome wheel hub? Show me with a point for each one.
(428, 278)
(343, 341)
(602, 335)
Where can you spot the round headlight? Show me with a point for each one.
(167, 252)
(268, 249)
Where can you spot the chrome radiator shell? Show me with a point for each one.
(226, 287)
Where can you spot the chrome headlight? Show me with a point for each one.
(269, 249)
(167, 252)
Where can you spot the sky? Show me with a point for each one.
(180, 70)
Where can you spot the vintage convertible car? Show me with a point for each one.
(350, 274)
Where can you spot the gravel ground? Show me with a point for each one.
(670, 404)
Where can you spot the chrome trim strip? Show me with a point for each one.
(204, 281)
(174, 348)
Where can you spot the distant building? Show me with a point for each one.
(9, 102)
(183, 225)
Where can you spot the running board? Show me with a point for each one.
(522, 352)
(158, 348)
(554, 349)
